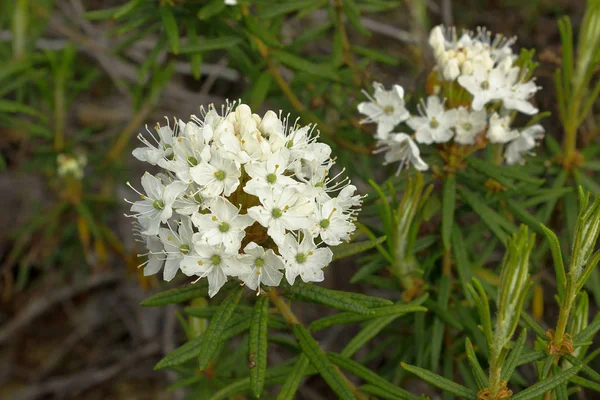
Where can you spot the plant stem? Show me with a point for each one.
(563, 316)
(283, 307)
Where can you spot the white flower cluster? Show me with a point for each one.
(485, 71)
(241, 196)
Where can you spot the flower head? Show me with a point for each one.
(385, 108)
(236, 185)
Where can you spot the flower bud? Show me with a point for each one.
(451, 71)
(436, 39)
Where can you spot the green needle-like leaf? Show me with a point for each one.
(178, 295)
(441, 382)
(215, 330)
(480, 376)
(292, 382)
(319, 360)
(546, 385)
(257, 345)
(448, 207)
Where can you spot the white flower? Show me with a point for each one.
(281, 210)
(386, 108)
(523, 144)
(269, 174)
(499, 130)
(214, 263)
(302, 257)
(517, 95)
(263, 267)
(162, 147)
(176, 246)
(331, 223)
(155, 252)
(468, 124)
(231, 2)
(156, 205)
(347, 199)
(224, 225)
(485, 85)
(399, 147)
(435, 123)
(217, 176)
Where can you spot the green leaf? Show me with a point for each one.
(213, 8)
(531, 356)
(182, 354)
(587, 182)
(490, 170)
(373, 378)
(292, 382)
(9, 106)
(584, 368)
(346, 301)
(441, 382)
(217, 326)
(347, 318)
(370, 330)
(353, 14)
(274, 375)
(349, 249)
(559, 267)
(302, 64)
(279, 8)
(171, 28)
(260, 89)
(461, 258)
(589, 332)
(523, 215)
(257, 345)
(546, 385)
(480, 376)
(223, 42)
(497, 223)
(375, 55)
(261, 31)
(510, 364)
(448, 207)
(377, 391)
(585, 383)
(177, 295)
(319, 360)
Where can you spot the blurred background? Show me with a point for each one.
(79, 79)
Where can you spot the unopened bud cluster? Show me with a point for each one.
(477, 89)
(241, 196)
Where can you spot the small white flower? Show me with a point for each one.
(517, 95)
(176, 246)
(485, 85)
(523, 144)
(399, 147)
(214, 263)
(386, 108)
(468, 124)
(302, 257)
(435, 123)
(281, 210)
(156, 205)
(263, 267)
(155, 255)
(331, 223)
(162, 147)
(499, 130)
(224, 225)
(269, 174)
(231, 2)
(217, 176)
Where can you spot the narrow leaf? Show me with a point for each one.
(177, 295)
(373, 378)
(292, 381)
(370, 330)
(319, 360)
(215, 330)
(480, 376)
(182, 354)
(448, 207)
(441, 382)
(171, 28)
(559, 267)
(546, 385)
(510, 364)
(223, 42)
(257, 345)
(347, 318)
(349, 249)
